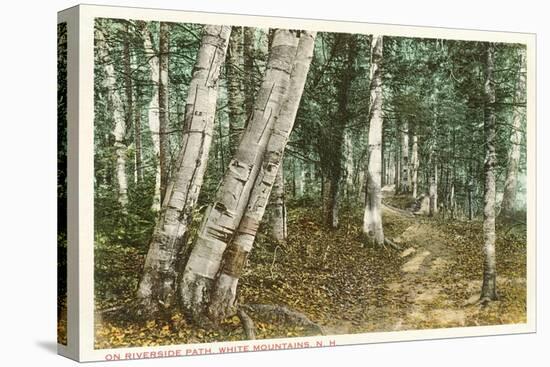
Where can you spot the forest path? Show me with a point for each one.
(417, 295)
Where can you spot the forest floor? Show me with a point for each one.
(432, 282)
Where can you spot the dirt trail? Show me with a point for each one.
(418, 294)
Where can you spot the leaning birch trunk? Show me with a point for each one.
(153, 109)
(235, 97)
(223, 298)
(164, 142)
(405, 175)
(223, 216)
(278, 207)
(510, 186)
(157, 285)
(372, 220)
(415, 165)
(115, 104)
(488, 289)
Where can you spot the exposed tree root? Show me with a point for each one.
(275, 313)
(392, 244)
(248, 324)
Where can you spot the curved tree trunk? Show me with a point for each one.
(510, 186)
(157, 285)
(488, 289)
(223, 298)
(224, 215)
(372, 220)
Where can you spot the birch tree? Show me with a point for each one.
(153, 108)
(372, 220)
(488, 289)
(224, 215)
(405, 174)
(235, 98)
(278, 215)
(117, 111)
(508, 207)
(157, 286)
(164, 153)
(414, 166)
(223, 298)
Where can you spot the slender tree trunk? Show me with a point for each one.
(488, 289)
(234, 258)
(397, 176)
(415, 164)
(248, 66)
(164, 156)
(224, 215)
(470, 201)
(348, 165)
(117, 110)
(137, 137)
(433, 192)
(372, 220)
(157, 285)
(510, 186)
(153, 109)
(235, 97)
(278, 217)
(405, 174)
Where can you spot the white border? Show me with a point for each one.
(87, 13)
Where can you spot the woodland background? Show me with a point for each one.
(433, 94)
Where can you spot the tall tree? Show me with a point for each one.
(372, 221)
(234, 257)
(337, 128)
(405, 174)
(415, 163)
(164, 156)
(249, 82)
(117, 112)
(508, 207)
(137, 136)
(157, 285)
(278, 215)
(153, 108)
(224, 215)
(488, 290)
(235, 97)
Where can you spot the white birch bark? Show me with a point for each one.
(223, 298)
(278, 214)
(235, 97)
(405, 175)
(224, 215)
(157, 286)
(164, 141)
(117, 110)
(153, 109)
(414, 165)
(488, 289)
(510, 186)
(372, 220)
